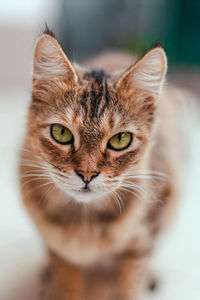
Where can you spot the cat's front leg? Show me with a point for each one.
(48, 288)
(67, 281)
(132, 277)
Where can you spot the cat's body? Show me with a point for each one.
(99, 239)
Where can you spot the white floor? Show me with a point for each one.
(21, 251)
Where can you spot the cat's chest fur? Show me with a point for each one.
(87, 242)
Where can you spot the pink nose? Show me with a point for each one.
(87, 176)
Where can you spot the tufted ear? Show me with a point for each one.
(147, 74)
(51, 63)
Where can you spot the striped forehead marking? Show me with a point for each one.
(96, 98)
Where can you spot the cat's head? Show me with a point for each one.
(90, 128)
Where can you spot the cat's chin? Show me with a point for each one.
(85, 196)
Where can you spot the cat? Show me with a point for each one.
(98, 170)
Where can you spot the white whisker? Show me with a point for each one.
(117, 200)
(44, 196)
(40, 186)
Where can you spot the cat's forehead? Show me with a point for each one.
(97, 106)
(96, 94)
(97, 101)
(95, 111)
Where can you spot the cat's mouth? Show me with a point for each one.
(85, 194)
(85, 189)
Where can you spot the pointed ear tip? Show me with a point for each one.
(164, 56)
(159, 49)
(160, 53)
(41, 40)
(44, 37)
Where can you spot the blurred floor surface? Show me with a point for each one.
(21, 253)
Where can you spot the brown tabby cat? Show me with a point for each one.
(98, 171)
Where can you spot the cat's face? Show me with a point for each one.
(89, 129)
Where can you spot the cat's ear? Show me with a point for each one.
(51, 63)
(147, 74)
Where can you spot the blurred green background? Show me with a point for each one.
(86, 26)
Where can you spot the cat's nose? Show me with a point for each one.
(87, 176)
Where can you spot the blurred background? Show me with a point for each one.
(84, 28)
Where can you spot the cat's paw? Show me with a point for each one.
(153, 284)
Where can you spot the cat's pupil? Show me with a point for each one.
(119, 136)
(62, 130)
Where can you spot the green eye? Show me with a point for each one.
(120, 141)
(61, 134)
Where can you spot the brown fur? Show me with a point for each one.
(98, 250)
